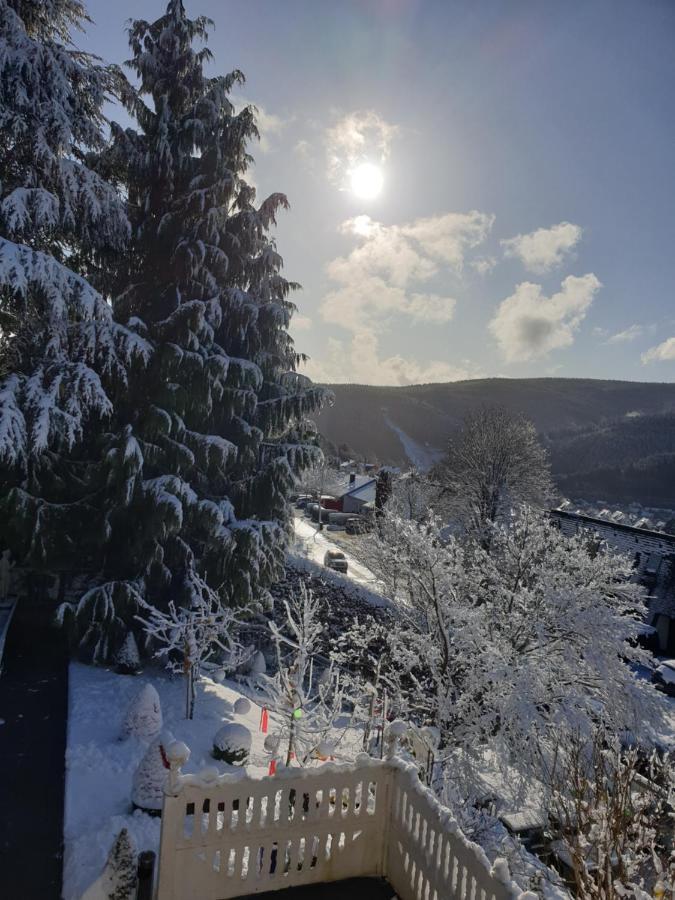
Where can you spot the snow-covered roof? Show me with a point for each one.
(360, 481)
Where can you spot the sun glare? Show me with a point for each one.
(367, 180)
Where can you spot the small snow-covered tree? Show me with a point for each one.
(63, 360)
(128, 660)
(186, 637)
(118, 880)
(305, 700)
(509, 650)
(492, 466)
(147, 791)
(144, 716)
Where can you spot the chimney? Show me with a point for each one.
(352, 478)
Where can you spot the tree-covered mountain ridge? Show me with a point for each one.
(613, 440)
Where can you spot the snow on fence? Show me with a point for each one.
(226, 836)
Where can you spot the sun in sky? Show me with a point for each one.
(367, 180)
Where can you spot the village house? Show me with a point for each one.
(352, 497)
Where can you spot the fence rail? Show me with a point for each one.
(226, 836)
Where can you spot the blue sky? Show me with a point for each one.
(526, 223)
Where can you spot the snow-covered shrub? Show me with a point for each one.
(128, 660)
(118, 879)
(242, 706)
(232, 744)
(147, 791)
(258, 664)
(144, 716)
(271, 743)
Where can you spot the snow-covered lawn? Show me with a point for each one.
(313, 544)
(100, 764)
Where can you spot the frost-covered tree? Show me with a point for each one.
(511, 649)
(186, 637)
(208, 439)
(62, 358)
(493, 465)
(305, 700)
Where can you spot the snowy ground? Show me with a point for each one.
(313, 544)
(100, 765)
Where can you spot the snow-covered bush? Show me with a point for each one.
(147, 791)
(232, 744)
(144, 716)
(118, 879)
(242, 706)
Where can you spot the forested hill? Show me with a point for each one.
(608, 439)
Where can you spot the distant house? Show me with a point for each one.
(653, 554)
(351, 498)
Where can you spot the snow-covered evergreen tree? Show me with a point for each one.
(62, 358)
(147, 790)
(209, 438)
(128, 660)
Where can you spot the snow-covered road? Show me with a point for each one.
(313, 544)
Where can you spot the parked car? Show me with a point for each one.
(301, 502)
(335, 559)
(664, 677)
(357, 525)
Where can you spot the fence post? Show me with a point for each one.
(146, 868)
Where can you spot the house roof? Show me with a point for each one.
(617, 526)
(342, 490)
(361, 482)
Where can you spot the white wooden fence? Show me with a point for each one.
(225, 837)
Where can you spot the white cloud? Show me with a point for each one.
(661, 353)
(543, 249)
(300, 323)
(528, 325)
(628, 334)
(358, 361)
(387, 274)
(359, 136)
(483, 264)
